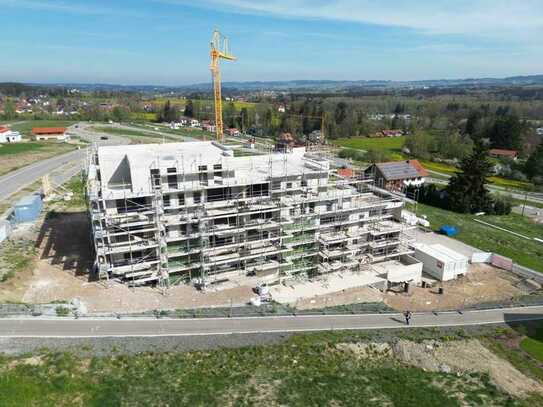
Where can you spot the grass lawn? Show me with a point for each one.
(391, 145)
(26, 127)
(533, 343)
(305, 370)
(14, 156)
(142, 116)
(9, 149)
(510, 183)
(527, 253)
(439, 167)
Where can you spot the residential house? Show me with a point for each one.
(501, 153)
(9, 136)
(539, 131)
(392, 133)
(233, 132)
(281, 109)
(397, 175)
(50, 133)
(194, 123)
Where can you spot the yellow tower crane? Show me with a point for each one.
(219, 50)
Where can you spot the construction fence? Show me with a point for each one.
(265, 310)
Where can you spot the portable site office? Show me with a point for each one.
(441, 262)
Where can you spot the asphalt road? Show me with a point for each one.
(16, 180)
(529, 196)
(95, 328)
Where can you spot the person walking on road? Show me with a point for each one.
(407, 314)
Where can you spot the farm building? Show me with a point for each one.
(501, 153)
(50, 133)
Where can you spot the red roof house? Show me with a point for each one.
(501, 153)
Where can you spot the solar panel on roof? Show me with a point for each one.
(398, 170)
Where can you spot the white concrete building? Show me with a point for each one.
(194, 212)
(9, 136)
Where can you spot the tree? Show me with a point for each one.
(473, 125)
(189, 109)
(169, 113)
(120, 114)
(9, 110)
(341, 112)
(466, 192)
(419, 145)
(506, 131)
(534, 164)
(244, 119)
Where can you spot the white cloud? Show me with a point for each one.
(485, 17)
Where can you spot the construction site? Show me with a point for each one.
(286, 221)
(194, 212)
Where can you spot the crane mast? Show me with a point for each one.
(219, 50)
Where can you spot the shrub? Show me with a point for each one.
(62, 311)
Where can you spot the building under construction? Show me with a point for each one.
(193, 211)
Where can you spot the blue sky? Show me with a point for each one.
(167, 41)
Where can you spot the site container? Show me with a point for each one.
(27, 209)
(441, 262)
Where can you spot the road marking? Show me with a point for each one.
(269, 331)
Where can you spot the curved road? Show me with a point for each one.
(95, 327)
(16, 180)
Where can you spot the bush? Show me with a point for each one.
(502, 205)
(62, 311)
(352, 154)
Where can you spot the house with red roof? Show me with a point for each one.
(502, 153)
(50, 133)
(9, 136)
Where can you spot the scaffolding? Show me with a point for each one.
(202, 223)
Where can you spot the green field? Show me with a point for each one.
(19, 148)
(144, 117)
(393, 145)
(26, 127)
(528, 253)
(533, 345)
(304, 370)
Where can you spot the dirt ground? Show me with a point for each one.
(483, 283)
(61, 274)
(351, 296)
(464, 357)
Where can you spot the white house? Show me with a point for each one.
(539, 131)
(8, 136)
(194, 123)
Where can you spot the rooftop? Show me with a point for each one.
(48, 130)
(503, 152)
(396, 170)
(134, 162)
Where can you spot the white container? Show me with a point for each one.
(441, 262)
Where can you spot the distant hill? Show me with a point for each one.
(314, 85)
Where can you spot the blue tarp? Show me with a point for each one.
(27, 209)
(448, 230)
